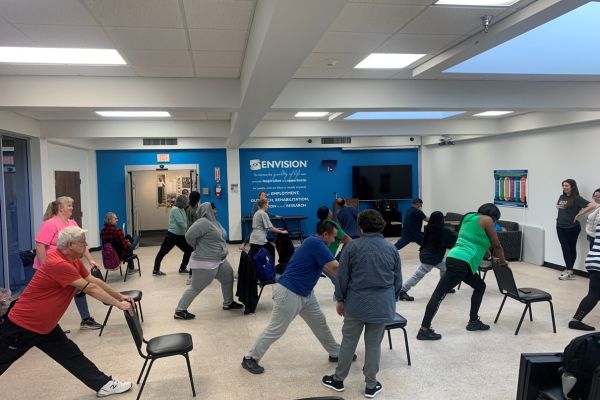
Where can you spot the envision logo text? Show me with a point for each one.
(255, 165)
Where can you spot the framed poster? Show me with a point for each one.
(510, 187)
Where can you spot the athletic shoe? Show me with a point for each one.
(183, 315)
(252, 366)
(335, 359)
(113, 387)
(233, 306)
(428, 334)
(370, 393)
(566, 275)
(188, 281)
(158, 273)
(477, 325)
(331, 383)
(89, 324)
(184, 271)
(403, 296)
(580, 326)
(451, 291)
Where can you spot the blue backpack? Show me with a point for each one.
(265, 265)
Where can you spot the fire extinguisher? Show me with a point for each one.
(218, 190)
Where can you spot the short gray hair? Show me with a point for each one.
(181, 201)
(69, 235)
(108, 216)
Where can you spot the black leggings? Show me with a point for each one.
(171, 240)
(591, 299)
(456, 271)
(568, 242)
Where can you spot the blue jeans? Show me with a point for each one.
(82, 307)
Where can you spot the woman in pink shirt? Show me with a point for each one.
(57, 217)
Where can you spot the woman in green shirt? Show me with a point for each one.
(477, 234)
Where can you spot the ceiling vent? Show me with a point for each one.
(336, 140)
(160, 141)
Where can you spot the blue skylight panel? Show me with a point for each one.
(391, 115)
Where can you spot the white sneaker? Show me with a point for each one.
(566, 275)
(188, 281)
(113, 387)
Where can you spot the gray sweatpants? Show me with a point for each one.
(286, 306)
(201, 278)
(373, 335)
(423, 270)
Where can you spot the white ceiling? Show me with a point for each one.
(264, 47)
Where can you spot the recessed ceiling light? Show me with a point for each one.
(483, 3)
(492, 113)
(311, 114)
(52, 55)
(389, 115)
(334, 115)
(388, 61)
(134, 114)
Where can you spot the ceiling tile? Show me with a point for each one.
(348, 42)
(217, 59)
(375, 18)
(440, 20)
(157, 58)
(222, 72)
(279, 116)
(56, 12)
(340, 60)
(165, 72)
(218, 14)
(137, 13)
(73, 70)
(401, 2)
(190, 115)
(319, 73)
(10, 36)
(217, 40)
(91, 70)
(218, 116)
(67, 36)
(148, 38)
(417, 44)
(370, 73)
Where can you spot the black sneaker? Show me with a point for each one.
(183, 315)
(233, 306)
(477, 325)
(331, 383)
(428, 334)
(451, 291)
(158, 273)
(580, 326)
(89, 324)
(335, 359)
(184, 271)
(252, 366)
(403, 296)
(372, 392)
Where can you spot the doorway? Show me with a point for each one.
(68, 183)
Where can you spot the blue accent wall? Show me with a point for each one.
(111, 176)
(321, 185)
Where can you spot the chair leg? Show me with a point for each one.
(142, 371)
(552, 314)
(139, 267)
(105, 320)
(187, 360)
(260, 293)
(458, 287)
(126, 272)
(406, 343)
(500, 310)
(106, 276)
(120, 270)
(139, 303)
(530, 314)
(389, 338)
(484, 274)
(144, 382)
(521, 320)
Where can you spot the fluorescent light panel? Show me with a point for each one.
(388, 61)
(334, 115)
(492, 113)
(482, 3)
(55, 55)
(311, 114)
(391, 115)
(134, 114)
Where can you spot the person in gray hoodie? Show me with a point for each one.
(208, 261)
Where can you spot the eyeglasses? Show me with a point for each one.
(80, 242)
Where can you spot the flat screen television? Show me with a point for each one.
(375, 182)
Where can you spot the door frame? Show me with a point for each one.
(130, 228)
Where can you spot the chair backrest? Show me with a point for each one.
(135, 327)
(506, 280)
(110, 258)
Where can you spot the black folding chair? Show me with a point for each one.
(176, 344)
(527, 296)
(136, 295)
(398, 322)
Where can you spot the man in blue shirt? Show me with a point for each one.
(347, 216)
(413, 223)
(293, 295)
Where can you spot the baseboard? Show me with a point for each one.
(98, 248)
(561, 268)
(234, 242)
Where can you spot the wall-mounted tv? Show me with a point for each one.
(375, 182)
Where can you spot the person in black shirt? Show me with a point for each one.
(347, 217)
(570, 206)
(437, 239)
(413, 222)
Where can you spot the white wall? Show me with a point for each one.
(460, 178)
(62, 158)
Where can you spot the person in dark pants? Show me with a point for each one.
(347, 217)
(261, 224)
(175, 237)
(33, 320)
(592, 264)
(413, 222)
(476, 235)
(570, 206)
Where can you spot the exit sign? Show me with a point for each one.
(162, 158)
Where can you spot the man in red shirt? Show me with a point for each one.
(33, 320)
